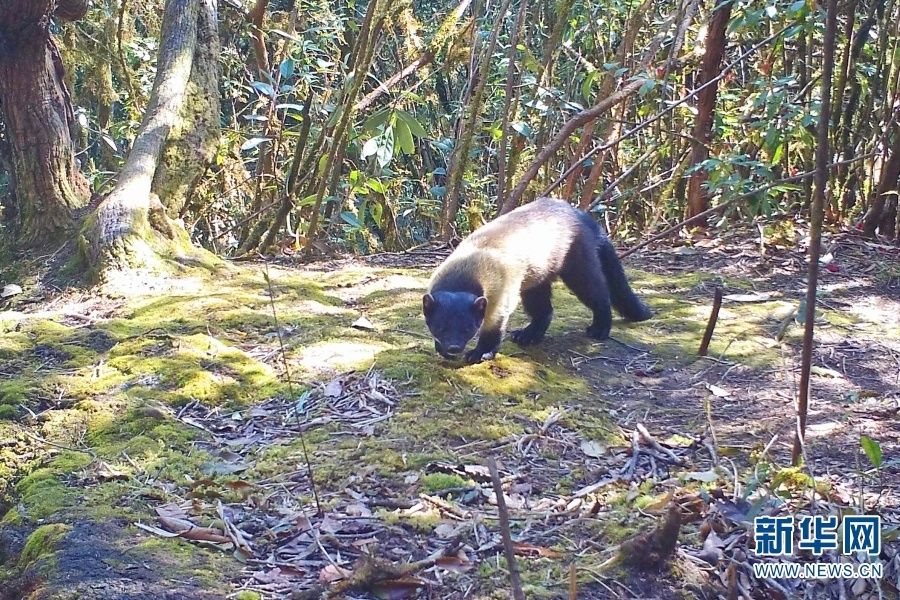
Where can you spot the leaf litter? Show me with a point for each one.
(367, 540)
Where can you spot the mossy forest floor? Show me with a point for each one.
(150, 444)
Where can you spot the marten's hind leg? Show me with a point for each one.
(582, 273)
(536, 302)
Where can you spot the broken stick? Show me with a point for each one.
(711, 324)
(651, 441)
(514, 580)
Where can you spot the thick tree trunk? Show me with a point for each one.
(37, 112)
(877, 216)
(697, 197)
(195, 136)
(130, 227)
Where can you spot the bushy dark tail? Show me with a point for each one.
(620, 293)
(622, 296)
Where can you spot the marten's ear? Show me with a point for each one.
(427, 304)
(481, 304)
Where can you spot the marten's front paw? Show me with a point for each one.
(476, 356)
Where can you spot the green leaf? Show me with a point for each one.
(587, 84)
(404, 137)
(287, 67)
(323, 162)
(414, 126)
(263, 88)
(522, 128)
(377, 120)
(377, 212)
(385, 148)
(779, 152)
(872, 450)
(349, 218)
(307, 201)
(335, 117)
(647, 87)
(376, 186)
(796, 7)
(289, 106)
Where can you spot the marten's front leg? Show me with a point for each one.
(489, 339)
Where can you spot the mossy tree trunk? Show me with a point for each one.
(195, 136)
(37, 112)
(131, 228)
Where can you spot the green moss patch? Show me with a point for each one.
(42, 543)
(155, 394)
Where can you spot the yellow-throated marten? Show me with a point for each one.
(521, 253)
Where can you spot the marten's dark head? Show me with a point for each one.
(453, 319)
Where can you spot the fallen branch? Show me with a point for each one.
(651, 441)
(651, 549)
(628, 471)
(369, 572)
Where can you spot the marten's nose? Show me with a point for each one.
(454, 349)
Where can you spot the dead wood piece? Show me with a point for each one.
(649, 439)
(370, 573)
(652, 549)
(508, 549)
(711, 324)
(629, 470)
(447, 507)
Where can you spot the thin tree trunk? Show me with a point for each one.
(817, 210)
(448, 30)
(843, 71)
(363, 53)
(37, 112)
(549, 150)
(509, 93)
(697, 197)
(130, 227)
(460, 158)
(560, 138)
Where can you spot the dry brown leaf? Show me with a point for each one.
(363, 324)
(171, 510)
(398, 589)
(332, 573)
(455, 563)
(526, 549)
(357, 510)
(330, 524)
(593, 448)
